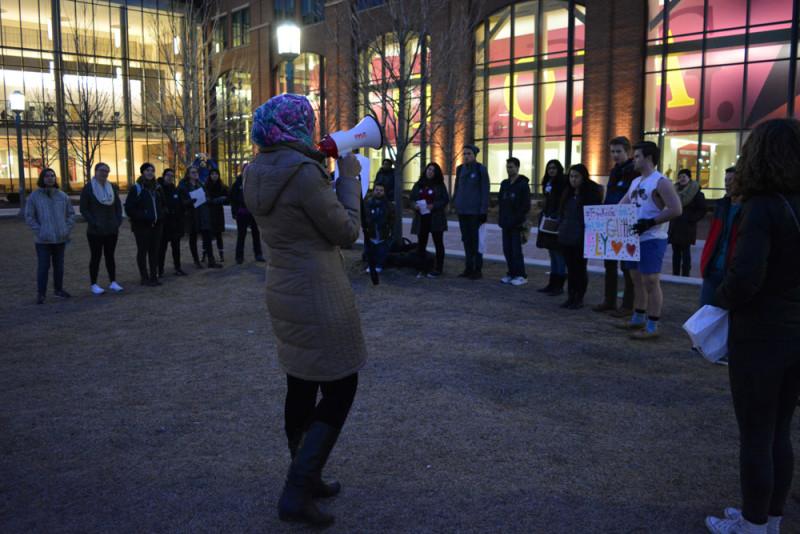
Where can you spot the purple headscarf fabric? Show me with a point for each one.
(284, 118)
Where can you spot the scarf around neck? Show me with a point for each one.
(103, 194)
(687, 193)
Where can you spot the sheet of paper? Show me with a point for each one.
(199, 196)
(423, 207)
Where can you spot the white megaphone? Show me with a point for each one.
(365, 134)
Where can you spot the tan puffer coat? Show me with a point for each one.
(309, 297)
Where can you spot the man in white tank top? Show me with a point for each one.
(657, 202)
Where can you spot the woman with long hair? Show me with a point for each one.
(683, 228)
(553, 184)
(431, 191)
(217, 198)
(198, 217)
(761, 290)
(49, 213)
(580, 192)
(309, 297)
(145, 208)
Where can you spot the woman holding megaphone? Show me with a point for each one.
(309, 298)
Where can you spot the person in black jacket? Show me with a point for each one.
(761, 290)
(619, 181)
(173, 223)
(145, 209)
(197, 217)
(580, 192)
(217, 198)
(683, 229)
(514, 205)
(553, 184)
(430, 195)
(244, 220)
(102, 210)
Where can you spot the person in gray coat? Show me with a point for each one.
(471, 199)
(49, 213)
(102, 210)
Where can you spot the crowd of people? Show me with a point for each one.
(160, 213)
(750, 266)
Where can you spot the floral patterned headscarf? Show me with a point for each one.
(284, 118)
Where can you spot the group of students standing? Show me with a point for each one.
(160, 212)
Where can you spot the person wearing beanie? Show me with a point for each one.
(471, 200)
(145, 208)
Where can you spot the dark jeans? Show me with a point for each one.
(148, 243)
(45, 254)
(175, 241)
(681, 260)
(207, 245)
(102, 245)
(422, 241)
(242, 224)
(577, 277)
(470, 225)
(302, 409)
(217, 235)
(377, 253)
(764, 397)
(612, 275)
(512, 249)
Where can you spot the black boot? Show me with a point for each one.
(549, 287)
(558, 285)
(320, 489)
(296, 502)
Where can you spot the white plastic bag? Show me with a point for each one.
(482, 238)
(708, 329)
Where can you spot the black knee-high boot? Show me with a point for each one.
(296, 502)
(320, 489)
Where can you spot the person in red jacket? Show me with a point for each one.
(720, 241)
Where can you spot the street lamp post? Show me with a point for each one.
(18, 106)
(289, 48)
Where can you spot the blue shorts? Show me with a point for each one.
(651, 257)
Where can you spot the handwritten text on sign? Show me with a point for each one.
(609, 233)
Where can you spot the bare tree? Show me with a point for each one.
(42, 131)
(393, 74)
(196, 67)
(90, 112)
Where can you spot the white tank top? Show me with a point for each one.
(641, 195)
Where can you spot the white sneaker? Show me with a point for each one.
(97, 290)
(378, 269)
(505, 280)
(773, 522)
(519, 281)
(366, 270)
(114, 286)
(715, 525)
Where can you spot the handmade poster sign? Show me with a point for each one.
(609, 233)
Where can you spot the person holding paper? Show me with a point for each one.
(553, 184)
(311, 304)
(514, 205)
(580, 192)
(198, 217)
(761, 290)
(430, 198)
(657, 203)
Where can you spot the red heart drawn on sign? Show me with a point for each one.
(617, 246)
(631, 248)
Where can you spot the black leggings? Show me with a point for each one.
(302, 409)
(207, 245)
(576, 271)
(175, 242)
(681, 260)
(764, 398)
(148, 244)
(102, 245)
(438, 241)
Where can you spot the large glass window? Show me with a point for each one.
(714, 69)
(240, 26)
(232, 123)
(110, 92)
(284, 9)
(312, 11)
(529, 86)
(219, 38)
